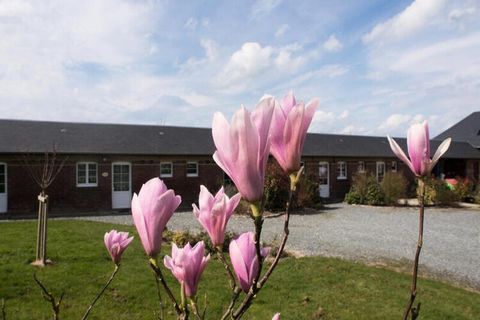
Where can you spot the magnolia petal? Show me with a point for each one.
(399, 153)
(440, 152)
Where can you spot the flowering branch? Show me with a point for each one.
(413, 291)
(85, 316)
(258, 284)
(159, 275)
(50, 298)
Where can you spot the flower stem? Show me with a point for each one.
(258, 284)
(159, 294)
(413, 289)
(158, 272)
(50, 298)
(101, 292)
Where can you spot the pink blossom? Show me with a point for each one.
(187, 265)
(418, 143)
(116, 243)
(244, 259)
(290, 123)
(276, 316)
(215, 212)
(243, 147)
(151, 209)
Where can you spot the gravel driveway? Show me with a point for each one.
(451, 249)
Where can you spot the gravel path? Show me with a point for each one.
(451, 249)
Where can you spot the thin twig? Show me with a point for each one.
(101, 292)
(233, 300)
(50, 298)
(159, 294)
(221, 256)
(158, 272)
(413, 290)
(257, 286)
(4, 315)
(194, 306)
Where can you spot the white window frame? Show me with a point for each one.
(87, 184)
(363, 169)
(192, 174)
(166, 175)
(339, 176)
(394, 166)
(384, 169)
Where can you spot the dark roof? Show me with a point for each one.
(21, 136)
(467, 130)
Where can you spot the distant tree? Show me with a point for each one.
(43, 172)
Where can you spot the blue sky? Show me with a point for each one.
(376, 66)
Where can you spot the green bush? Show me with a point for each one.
(463, 189)
(375, 195)
(437, 192)
(277, 186)
(393, 187)
(352, 197)
(307, 195)
(365, 190)
(181, 238)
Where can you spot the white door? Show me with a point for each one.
(323, 180)
(380, 171)
(121, 185)
(3, 187)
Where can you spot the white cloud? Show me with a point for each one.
(414, 17)
(263, 7)
(394, 121)
(344, 114)
(14, 8)
(254, 61)
(332, 44)
(281, 30)
(191, 24)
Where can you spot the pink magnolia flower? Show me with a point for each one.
(151, 209)
(187, 265)
(215, 212)
(116, 243)
(276, 316)
(418, 143)
(244, 259)
(243, 147)
(290, 123)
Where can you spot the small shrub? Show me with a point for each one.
(393, 187)
(437, 192)
(352, 197)
(181, 238)
(365, 190)
(277, 185)
(307, 195)
(463, 189)
(374, 194)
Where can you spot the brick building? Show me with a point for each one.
(108, 162)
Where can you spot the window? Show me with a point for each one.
(166, 169)
(394, 166)
(86, 174)
(121, 177)
(341, 170)
(380, 171)
(192, 169)
(361, 166)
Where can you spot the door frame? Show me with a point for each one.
(129, 179)
(328, 179)
(5, 194)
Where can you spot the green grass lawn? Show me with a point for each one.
(299, 288)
